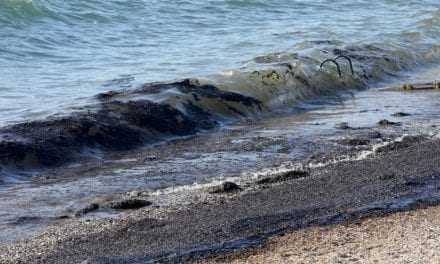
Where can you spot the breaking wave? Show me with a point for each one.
(125, 119)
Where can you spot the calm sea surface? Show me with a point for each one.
(56, 54)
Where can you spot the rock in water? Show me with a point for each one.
(129, 204)
(225, 187)
(289, 175)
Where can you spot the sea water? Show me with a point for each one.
(55, 55)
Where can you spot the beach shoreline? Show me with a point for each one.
(404, 237)
(397, 176)
(218, 131)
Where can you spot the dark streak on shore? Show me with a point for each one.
(394, 179)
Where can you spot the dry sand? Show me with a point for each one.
(404, 237)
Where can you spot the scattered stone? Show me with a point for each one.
(89, 208)
(225, 187)
(385, 122)
(289, 175)
(129, 204)
(401, 114)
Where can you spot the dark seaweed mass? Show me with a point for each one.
(116, 125)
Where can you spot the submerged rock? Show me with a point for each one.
(129, 204)
(225, 187)
(286, 176)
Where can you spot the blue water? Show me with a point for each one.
(56, 54)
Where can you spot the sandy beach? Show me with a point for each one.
(404, 237)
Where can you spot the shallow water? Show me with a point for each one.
(54, 55)
(237, 152)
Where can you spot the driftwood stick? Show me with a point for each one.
(434, 85)
(421, 86)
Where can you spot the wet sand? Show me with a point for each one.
(404, 237)
(401, 175)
